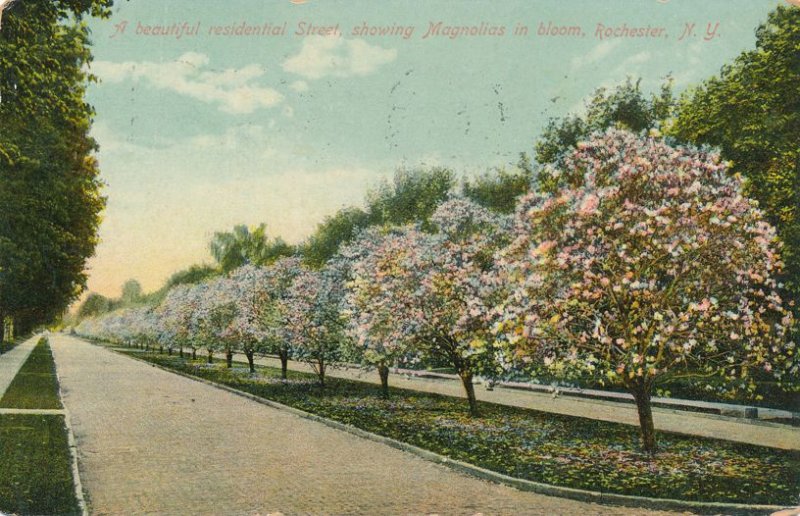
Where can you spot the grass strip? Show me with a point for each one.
(554, 449)
(35, 466)
(36, 384)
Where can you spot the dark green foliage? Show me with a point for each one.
(243, 245)
(332, 233)
(751, 111)
(36, 384)
(95, 304)
(35, 466)
(131, 292)
(49, 185)
(499, 190)
(192, 275)
(625, 107)
(412, 196)
(550, 448)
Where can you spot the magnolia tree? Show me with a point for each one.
(650, 264)
(216, 313)
(375, 338)
(314, 321)
(428, 291)
(143, 324)
(174, 314)
(255, 317)
(279, 278)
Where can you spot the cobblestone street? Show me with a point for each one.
(154, 442)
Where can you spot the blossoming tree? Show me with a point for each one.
(216, 312)
(254, 310)
(428, 290)
(377, 340)
(280, 277)
(174, 314)
(314, 321)
(650, 264)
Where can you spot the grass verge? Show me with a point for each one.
(35, 466)
(550, 448)
(36, 384)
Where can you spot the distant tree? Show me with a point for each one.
(94, 305)
(751, 111)
(331, 233)
(624, 107)
(131, 292)
(243, 246)
(499, 190)
(412, 196)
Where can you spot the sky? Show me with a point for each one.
(202, 128)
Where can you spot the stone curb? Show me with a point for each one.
(485, 474)
(73, 449)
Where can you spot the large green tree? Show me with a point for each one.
(243, 245)
(751, 111)
(625, 106)
(49, 186)
(412, 196)
(332, 233)
(499, 190)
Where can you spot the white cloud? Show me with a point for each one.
(326, 56)
(299, 86)
(232, 89)
(597, 54)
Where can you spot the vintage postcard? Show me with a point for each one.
(399, 257)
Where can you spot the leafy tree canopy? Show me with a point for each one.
(751, 111)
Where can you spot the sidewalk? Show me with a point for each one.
(11, 362)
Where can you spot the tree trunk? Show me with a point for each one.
(169, 351)
(284, 354)
(210, 356)
(642, 396)
(194, 353)
(383, 372)
(229, 358)
(250, 362)
(2, 332)
(160, 350)
(466, 379)
(180, 351)
(321, 372)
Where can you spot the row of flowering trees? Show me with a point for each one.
(644, 262)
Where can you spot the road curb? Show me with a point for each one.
(73, 448)
(485, 474)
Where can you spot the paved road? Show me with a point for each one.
(11, 362)
(670, 420)
(153, 442)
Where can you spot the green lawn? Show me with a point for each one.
(35, 466)
(543, 447)
(36, 385)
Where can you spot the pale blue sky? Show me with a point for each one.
(201, 132)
